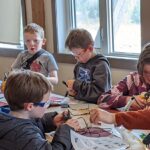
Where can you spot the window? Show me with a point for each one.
(119, 27)
(87, 15)
(126, 26)
(11, 37)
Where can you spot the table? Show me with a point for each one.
(134, 143)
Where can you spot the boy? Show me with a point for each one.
(27, 94)
(45, 62)
(134, 84)
(92, 73)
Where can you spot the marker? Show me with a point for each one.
(65, 83)
(66, 86)
(128, 105)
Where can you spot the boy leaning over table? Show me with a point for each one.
(27, 94)
(92, 74)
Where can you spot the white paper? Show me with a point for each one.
(112, 142)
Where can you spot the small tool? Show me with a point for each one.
(66, 116)
(146, 140)
(65, 83)
(66, 86)
(128, 105)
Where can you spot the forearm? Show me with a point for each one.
(53, 80)
(108, 117)
(48, 121)
(134, 119)
(88, 92)
(108, 100)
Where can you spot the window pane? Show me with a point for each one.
(87, 16)
(126, 26)
(11, 24)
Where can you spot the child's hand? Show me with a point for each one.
(59, 119)
(70, 89)
(138, 103)
(71, 92)
(70, 84)
(73, 123)
(97, 115)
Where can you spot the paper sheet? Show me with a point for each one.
(112, 142)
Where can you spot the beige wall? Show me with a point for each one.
(5, 63)
(66, 72)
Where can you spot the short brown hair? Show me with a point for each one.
(79, 38)
(144, 59)
(34, 28)
(25, 86)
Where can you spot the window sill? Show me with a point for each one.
(115, 62)
(6, 52)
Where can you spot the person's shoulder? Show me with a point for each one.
(23, 53)
(47, 53)
(100, 59)
(134, 74)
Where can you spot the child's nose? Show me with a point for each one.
(32, 42)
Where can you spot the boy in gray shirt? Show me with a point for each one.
(45, 62)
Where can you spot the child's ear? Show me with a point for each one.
(90, 47)
(28, 106)
(44, 41)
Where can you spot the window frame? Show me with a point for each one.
(13, 52)
(117, 60)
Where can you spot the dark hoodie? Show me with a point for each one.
(92, 78)
(26, 134)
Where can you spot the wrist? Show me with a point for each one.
(111, 119)
(114, 119)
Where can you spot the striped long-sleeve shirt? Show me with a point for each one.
(132, 84)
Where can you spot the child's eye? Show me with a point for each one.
(27, 41)
(37, 41)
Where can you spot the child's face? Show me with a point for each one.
(38, 110)
(81, 55)
(33, 41)
(146, 73)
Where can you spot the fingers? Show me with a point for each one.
(95, 116)
(66, 115)
(72, 92)
(70, 83)
(73, 123)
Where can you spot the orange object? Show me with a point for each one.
(3, 85)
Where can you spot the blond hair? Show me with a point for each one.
(34, 28)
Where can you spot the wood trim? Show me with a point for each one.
(38, 13)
